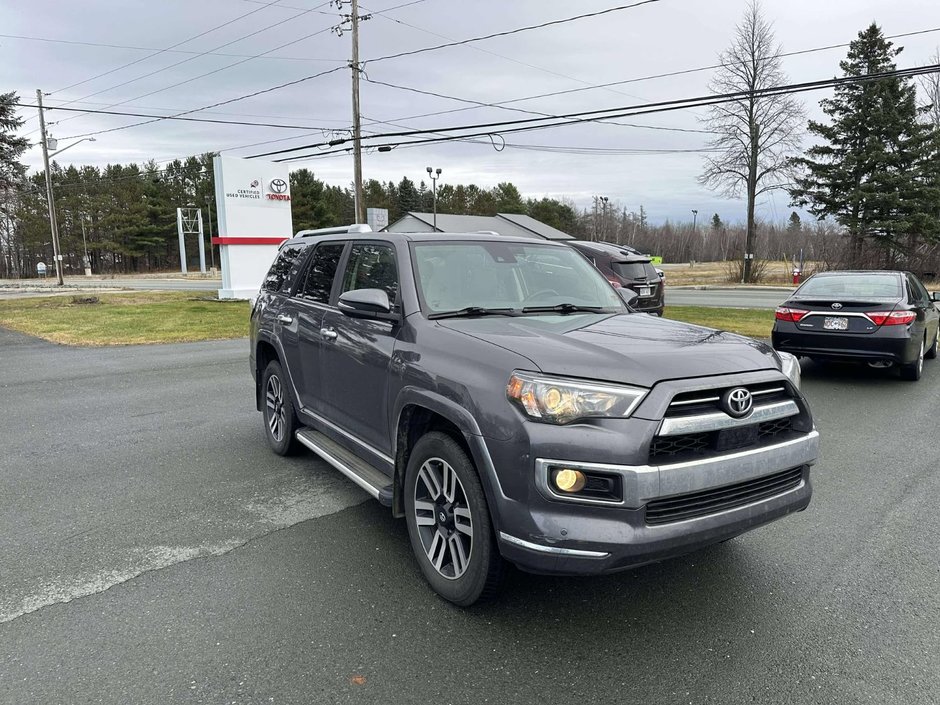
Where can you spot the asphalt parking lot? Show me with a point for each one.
(152, 550)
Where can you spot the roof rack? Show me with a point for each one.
(340, 230)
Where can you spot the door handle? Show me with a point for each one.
(287, 320)
(328, 333)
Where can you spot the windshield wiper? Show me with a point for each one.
(565, 308)
(475, 311)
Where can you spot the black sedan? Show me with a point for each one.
(882, 318)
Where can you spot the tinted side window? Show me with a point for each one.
(920, 293)
(285, 268)
(372, 267)
(321, 272)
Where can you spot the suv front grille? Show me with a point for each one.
(706, 401)
(692, 446)
(718, 499)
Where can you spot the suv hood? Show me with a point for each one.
(626, 348)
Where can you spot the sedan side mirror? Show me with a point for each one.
(935, 296)
(365, 303)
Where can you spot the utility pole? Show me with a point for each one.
(86, 261)
(434, 175)
(357, 136)
(54, 226)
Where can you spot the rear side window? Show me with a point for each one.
(285, 268)
(321, 272)
(634, 270)
(920, 294)
(372, 266)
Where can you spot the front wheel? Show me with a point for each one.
(449, 523)
(913, 371)
(280, 420)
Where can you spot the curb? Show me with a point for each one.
(729, 287)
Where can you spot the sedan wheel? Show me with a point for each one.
(931, 353)
(913, 371)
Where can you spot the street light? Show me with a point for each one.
(694, 218)
(434, 175)
(53, 142)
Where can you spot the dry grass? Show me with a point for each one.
(127, 318)
(755, 323)
(716, 274)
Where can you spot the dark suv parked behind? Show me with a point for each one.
(499, 395)
(625, 268)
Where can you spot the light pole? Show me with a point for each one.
(434, 175)
(694, 218)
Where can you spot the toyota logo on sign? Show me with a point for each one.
(737, 402)
(278, 185)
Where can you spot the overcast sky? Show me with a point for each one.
(665, 36)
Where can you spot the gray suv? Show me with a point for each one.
(502, 397)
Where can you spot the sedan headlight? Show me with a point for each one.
(559, 401)
(790, 366)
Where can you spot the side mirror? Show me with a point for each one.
(365, 303)
(935, 296)
(629, 298)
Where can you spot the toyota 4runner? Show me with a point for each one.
(502, 397)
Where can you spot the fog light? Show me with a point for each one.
(568, 480)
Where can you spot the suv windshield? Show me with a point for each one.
(634, 270)
(511, 276)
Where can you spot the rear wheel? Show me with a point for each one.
(280, 420)
(449, 522)
(932, 351)
(913, 371)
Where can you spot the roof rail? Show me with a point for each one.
(340, 230)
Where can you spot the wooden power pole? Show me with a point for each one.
(357, 136)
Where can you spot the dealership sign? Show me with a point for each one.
(254, 213)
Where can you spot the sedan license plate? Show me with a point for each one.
(835, 323)
(644, 291)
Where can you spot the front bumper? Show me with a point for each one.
(546, 534)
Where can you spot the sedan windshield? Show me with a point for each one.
(852, 286)
(505, 278)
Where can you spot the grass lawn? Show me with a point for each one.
(753, 322)
(127, 319)
(177, 316)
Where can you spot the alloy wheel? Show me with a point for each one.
(277, 415)
(443, 518)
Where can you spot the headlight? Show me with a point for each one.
(790, 366)
(560, 401)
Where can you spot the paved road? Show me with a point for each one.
(152, 551)
(732, 298)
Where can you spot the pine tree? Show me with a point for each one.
(871, 172)
(717, 225)
(11, 147)
(794, 224)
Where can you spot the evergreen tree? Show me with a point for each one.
(794, 224)
(11, 147)
(408, 197)
(871, 174)
(717, 225)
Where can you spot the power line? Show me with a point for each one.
(508, 32)
(174, 117)
(651, 77)
(164, 51)
(193, 58)
(529, 112)
(528, 124)
(213, 105)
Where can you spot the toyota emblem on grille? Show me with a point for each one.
(737, 402)
(837, 306)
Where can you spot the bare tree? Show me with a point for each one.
(755, 134)
(930, 85)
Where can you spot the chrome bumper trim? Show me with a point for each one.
(642, 483)
(551, 549)
(680, 425)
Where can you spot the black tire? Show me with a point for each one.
(280, 419)
(469, 567)
(912, 372)
(931, 353)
